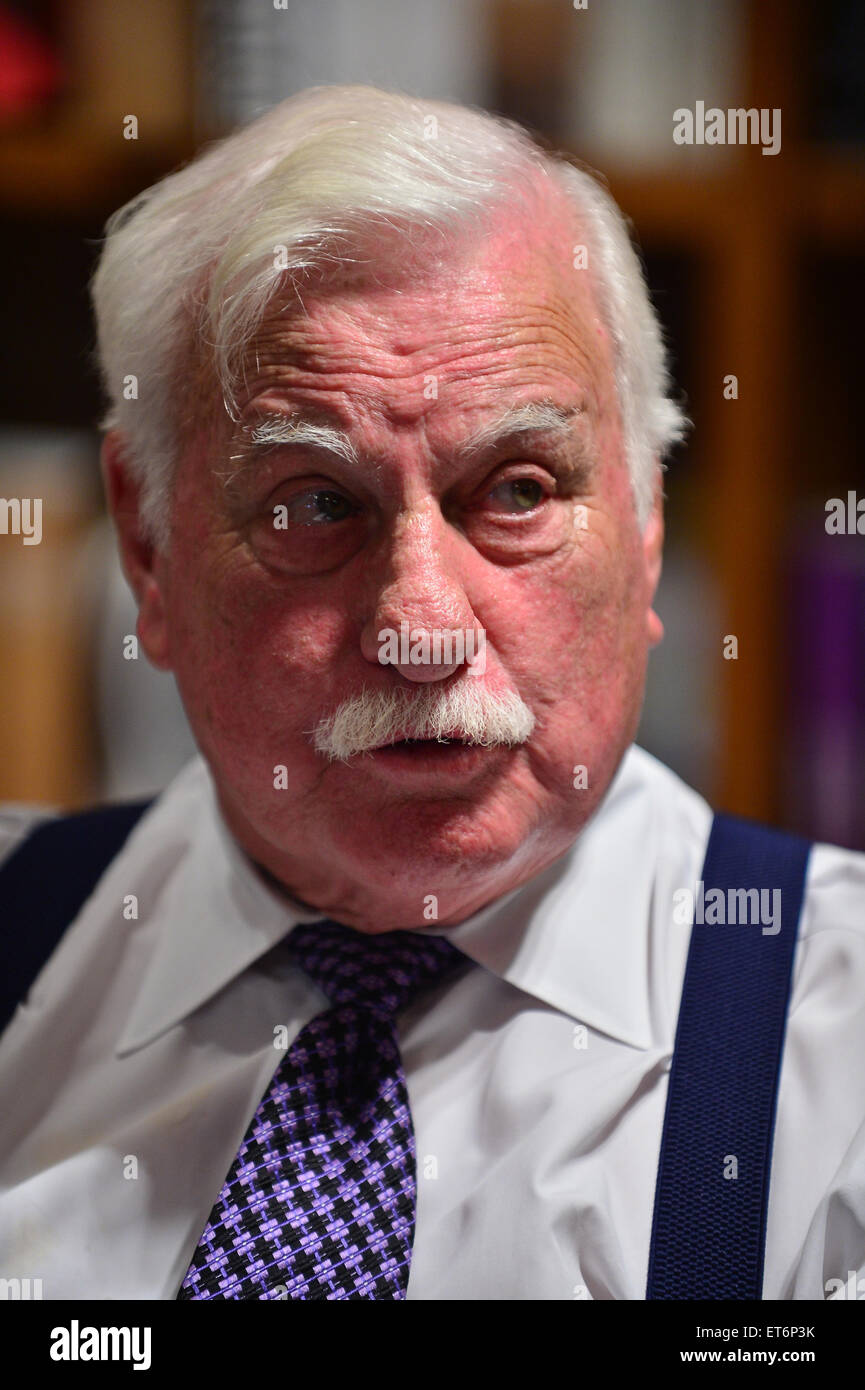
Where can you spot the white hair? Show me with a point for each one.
(319, 187)
(468, 712)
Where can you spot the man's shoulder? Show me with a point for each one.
(18, 820)
(834, 871)
(836, 891)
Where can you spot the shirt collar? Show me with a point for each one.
(574, 936)
(214, 917)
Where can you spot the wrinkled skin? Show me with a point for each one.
(267, 632)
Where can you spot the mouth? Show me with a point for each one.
(446, 757)
(421, 746)
(430, 743)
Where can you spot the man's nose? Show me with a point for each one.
(421, 607)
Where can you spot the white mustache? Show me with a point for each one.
(468, 711)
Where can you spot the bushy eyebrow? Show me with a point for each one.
(533, 418)
(289, 429)
(517, 424)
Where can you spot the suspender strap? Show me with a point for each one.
(43, 886)
(712, 1193)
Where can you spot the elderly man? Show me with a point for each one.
(380, 998)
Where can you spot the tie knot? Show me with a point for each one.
(383, 972)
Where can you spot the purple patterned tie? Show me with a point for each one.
(320, 1200)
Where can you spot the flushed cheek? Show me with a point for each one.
(257, 670)
(576, 653)
(569, 613)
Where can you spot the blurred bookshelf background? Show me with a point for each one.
(755, 263)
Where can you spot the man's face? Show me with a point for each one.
(532, 538)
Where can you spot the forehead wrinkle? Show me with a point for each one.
(346, 329)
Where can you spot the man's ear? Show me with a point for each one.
(653, 548)
(143, 564)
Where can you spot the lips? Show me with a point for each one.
(408, 741)
(433, 762)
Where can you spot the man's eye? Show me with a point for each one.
(316, 508)
(518, 494)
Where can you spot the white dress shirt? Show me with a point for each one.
(537, 1080)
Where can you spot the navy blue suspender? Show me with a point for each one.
(712, 1192)
(711, 1196)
